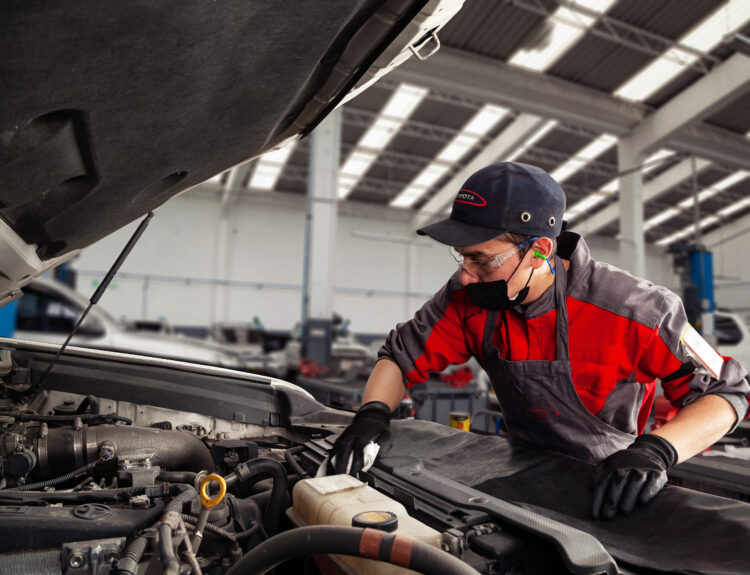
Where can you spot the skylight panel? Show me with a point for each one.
(531, 140)
(358, 163)
(583, 156)
(660, 218)
(703, 195)
(566, 28)
(403, 102)
(408, 196)
(704, 223)
(482, 122)
(704, 37)
(613, 186)
(735, 207)
(269, 166)
(458, 147)
(396, 111)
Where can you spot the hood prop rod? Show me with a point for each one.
(101, 288)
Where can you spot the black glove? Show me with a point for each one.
(635, 474)
(369, 424)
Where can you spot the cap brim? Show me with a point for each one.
(460, 234)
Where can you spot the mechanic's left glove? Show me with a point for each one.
(632, 475)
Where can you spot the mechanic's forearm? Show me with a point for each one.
(385, 384)
(698, 425)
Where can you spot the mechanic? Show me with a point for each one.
(573, 347)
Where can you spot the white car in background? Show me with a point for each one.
(48, 310)
(733, 336)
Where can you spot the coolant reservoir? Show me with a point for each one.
(336, 499)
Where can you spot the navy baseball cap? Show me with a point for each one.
(506, 197)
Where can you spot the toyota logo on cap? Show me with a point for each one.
(465, 196)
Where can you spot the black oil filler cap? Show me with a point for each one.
(381, 520)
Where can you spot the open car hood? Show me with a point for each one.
(108, 110)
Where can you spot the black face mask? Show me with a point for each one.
(493, 296)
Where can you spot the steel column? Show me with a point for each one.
(632, 242)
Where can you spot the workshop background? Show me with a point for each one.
(641, 110)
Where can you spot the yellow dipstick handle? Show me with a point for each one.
(207, 504)
(206, 501)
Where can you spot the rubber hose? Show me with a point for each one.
(58, 480)
(250, 470)
(166, 547)
(289, 457)
(168, 558)
(128, 563)
(354, 541)
(177, 476)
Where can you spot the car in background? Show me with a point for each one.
(150, 325)
(48, 310)
(247, 340)
(732, 336)
(349, 357)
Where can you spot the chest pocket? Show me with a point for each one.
(593, 383)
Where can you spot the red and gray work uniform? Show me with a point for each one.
(575, 371)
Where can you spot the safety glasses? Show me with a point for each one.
(487, 264)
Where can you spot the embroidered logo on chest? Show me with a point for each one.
(535, 411)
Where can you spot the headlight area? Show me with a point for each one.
(89, 493)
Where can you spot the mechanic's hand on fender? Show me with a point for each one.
(632, 475)
(369, 424)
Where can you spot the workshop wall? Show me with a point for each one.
(384, 272)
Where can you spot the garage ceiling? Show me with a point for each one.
(555, 84)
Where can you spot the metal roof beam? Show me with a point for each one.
(489, 80)
(723, 85)
(651, 190)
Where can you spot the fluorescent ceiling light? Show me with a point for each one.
(611, 187)
(407, 197)
(457, 148)
(265, 177)
(379, 134)
(431, 174)
(583, 156)
(735, 207)
(531, 140)
(731, 180)
(660, 218)
(705, 222)
(396, 111)
(269, 166)
(403, 101)
(704, 37)
(566, 26)
(585, 204)
(482, 122)
(703, 195)
(358, 163)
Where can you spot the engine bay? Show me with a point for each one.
(130, 465)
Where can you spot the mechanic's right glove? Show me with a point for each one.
(632, 475)
(369, 424)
